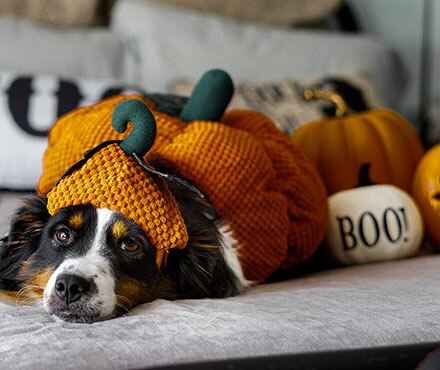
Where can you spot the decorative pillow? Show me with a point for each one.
(286, 12)
(28, 47)
(168, 43)
(29, 105)
(283, 102)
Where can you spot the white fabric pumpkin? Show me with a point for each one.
(373, 223)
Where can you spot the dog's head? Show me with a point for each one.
(91, 264)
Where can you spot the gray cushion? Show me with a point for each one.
(9, 202)
(31, 47)
(167, 43)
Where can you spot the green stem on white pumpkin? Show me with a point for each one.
(364, 176)
(329, 96)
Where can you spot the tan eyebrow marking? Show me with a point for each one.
(119, 229)
(76, 220)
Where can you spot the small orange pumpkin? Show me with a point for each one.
(340, 145)
(426, 192)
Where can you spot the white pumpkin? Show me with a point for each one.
(373, 223)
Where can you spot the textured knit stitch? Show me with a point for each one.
(264, 187)
(111, 179)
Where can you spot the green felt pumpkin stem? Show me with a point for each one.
(210, 97)
(364, 176)
(141, 138)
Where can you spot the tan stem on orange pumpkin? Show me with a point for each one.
(330, 96)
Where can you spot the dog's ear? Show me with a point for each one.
(24, 237)
(199, 270)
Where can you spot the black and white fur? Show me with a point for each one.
(86, 274)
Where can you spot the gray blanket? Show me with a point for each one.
(371, 305)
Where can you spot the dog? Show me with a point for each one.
(221, 201)
(90, 264)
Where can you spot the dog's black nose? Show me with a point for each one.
(70, 288)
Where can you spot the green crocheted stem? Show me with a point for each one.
(210, 97)
(141, 138)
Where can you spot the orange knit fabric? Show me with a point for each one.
(263, 186)
(111, 179)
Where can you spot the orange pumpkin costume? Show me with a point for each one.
(260, 184)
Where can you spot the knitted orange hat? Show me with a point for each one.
(113, 176)
(265, 188)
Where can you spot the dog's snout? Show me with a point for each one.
(70, 288)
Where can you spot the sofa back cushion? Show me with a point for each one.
(77, 52)
(167, 43)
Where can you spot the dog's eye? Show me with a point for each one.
(129, 245)
(63, 235)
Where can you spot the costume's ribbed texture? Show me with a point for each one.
(111, 179)
(259, 183)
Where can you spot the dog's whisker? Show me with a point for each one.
(123, 298)
(123, 308)
(21, 292)
(27, 300)
(28, 293)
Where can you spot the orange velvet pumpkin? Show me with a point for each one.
(266, 189)
(340, 145)
(426, 192)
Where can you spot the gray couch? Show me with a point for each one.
(381, 304)
(372, 305)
